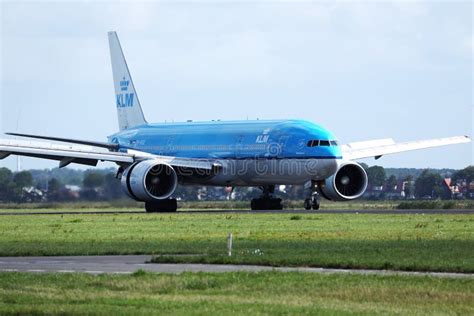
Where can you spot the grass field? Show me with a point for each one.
(405, 242)
(236, 205)
(188, 205)
(240, 293)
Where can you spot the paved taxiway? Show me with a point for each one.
(386, 212)
(130, 264)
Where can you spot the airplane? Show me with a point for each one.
(153, 159)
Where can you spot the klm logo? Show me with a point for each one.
(124, 84)
(262, 139)
(124, 100)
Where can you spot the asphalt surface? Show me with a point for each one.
(387, 212)
(130, 264)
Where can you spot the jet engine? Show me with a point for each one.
(348, 183)
(149, 180)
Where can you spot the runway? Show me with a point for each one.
(380, 212)
(130, 264)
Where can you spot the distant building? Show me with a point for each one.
(460, 189)
(32, 194)
(374, 192)
(73, 188)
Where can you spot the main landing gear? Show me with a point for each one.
(161, 206)
(314, 201)
(266, 201)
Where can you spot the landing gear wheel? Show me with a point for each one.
(315, 203)
(314, 200)
(266, 204)
(266, 201)
(254, 204)
(162, 206)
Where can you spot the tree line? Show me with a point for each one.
(54, 186)
(429, 184)
(61, 185)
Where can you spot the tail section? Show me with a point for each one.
(129, 109)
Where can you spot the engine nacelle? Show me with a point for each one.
(149, 180)
(348, 183)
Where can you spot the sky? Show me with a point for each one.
(364, 70)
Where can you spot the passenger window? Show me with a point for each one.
(323, 143)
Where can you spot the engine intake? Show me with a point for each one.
(348, 183)
(149, 181)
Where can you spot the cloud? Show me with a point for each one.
(231, 42)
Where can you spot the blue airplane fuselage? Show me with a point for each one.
(231, 140)
(251, 152)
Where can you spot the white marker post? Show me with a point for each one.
(229, 244)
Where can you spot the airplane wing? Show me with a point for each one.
(113, 147)
(381, 147)
(88, 155)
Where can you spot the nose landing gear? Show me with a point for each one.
(266, 201)
(314, 201)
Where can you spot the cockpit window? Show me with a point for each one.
(315, 142)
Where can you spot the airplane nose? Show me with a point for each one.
(331, 151)
(335, 151)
